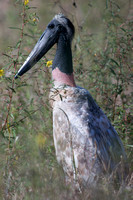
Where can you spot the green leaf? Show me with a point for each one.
(11, 27)
(130, 145)
(114, 61)
(112, 71)
(123, 29)
(106, 3)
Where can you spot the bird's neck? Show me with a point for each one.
(62, 68)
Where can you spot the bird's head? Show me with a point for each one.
(59, 25)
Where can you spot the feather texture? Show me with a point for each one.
(86, 143)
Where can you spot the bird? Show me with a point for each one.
(86, 144)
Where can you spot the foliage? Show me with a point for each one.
(102, 63)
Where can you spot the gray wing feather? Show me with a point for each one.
(110, 149)
(85, 141)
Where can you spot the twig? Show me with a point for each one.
(15, 65)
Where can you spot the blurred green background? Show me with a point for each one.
(102, 55)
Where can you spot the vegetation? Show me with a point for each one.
(102, 51)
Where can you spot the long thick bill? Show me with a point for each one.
(46, 41)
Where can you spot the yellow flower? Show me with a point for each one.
(40, 140)
(49, 63)
(1, 72)
(34, 19)
(26, 2)
(16, 157)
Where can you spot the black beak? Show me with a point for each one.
(46, 41)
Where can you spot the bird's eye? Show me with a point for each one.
(51, 26)
(60, 27)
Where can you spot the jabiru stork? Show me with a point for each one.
(86, 143)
